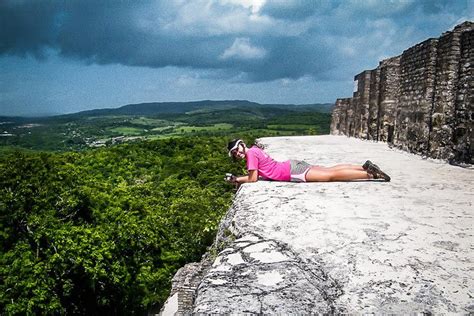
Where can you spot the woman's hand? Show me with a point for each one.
(251, 177)
(229, 177)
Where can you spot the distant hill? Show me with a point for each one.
(185, 107)
(103, 127)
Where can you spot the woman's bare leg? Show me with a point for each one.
(318, 174)
(343, 166)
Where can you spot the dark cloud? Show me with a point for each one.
(110, 34)
(285, 39)
(296, 10)
(27, 27)
(434, 6)
(290, 59)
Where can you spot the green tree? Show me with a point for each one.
(104, 230)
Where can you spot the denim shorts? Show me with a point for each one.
(298, 170)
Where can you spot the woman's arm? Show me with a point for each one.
(251, 177)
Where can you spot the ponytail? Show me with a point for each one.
(258, 144)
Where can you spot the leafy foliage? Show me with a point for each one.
(104, 230)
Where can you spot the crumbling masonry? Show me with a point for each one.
(420, 101)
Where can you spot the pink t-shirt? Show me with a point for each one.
(267, 168)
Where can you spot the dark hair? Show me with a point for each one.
(232, 143)
(259, 145)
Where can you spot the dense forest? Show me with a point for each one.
(99, 209)
(104, 230)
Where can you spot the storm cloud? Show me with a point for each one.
(243, 40)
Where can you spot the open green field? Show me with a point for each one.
(115, 117)
(146, 121)
(214, 127)
(127, 131)
(167, 128)
(289, 127)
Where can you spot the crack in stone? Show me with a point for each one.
(330, 291)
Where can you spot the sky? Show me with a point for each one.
(68, 56)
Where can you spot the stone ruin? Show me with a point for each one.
(420, 101)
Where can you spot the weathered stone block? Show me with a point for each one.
(463, 135)
(361, 102)
(339, 119)
(389, 87)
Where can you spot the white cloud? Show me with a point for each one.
(186, 80)
(242, 49)
(209, 18)
(253, 5)
(380, 7)
(348, 50)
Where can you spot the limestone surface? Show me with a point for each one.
(403, 246)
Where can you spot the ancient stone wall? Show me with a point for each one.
(361, 104)
(464, 103)
(340, 117)
(337, 117)
(389, 89)
(417, 81)
(372, 120)
(420, 101)
(443, 116)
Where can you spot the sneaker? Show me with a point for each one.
(369, 163)
(366, 164)
(375, 171)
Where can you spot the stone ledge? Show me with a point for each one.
(345, 247)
